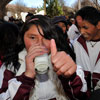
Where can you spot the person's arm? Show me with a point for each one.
(15, 88)
(71, 75)
(75, 86)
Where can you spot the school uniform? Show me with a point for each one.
(88, 56)
(20, 87)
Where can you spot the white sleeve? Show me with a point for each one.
(80, 73)
(12, 89)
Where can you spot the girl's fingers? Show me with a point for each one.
(53, 48)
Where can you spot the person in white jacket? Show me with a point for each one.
(60, 79)
(87, 46)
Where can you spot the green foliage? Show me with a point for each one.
(40, 8)
(54, 8)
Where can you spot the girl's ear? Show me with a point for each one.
(98, 25)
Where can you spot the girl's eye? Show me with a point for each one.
(32, 37)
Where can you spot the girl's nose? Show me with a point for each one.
(40, 41)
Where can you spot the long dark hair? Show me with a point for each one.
(50, 31)
(8, 44)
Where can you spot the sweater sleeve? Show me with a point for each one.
(15, 88)
(75, 87)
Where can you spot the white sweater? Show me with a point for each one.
(44, 90)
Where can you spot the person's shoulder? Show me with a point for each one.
(73, 26)
(77, 40)
(73, 29)
(22, 54)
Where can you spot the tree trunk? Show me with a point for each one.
(2, 12)
(97, 4)
(79, 4)
(3, 4)
(44, 7)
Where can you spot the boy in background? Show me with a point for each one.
(87, 46)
